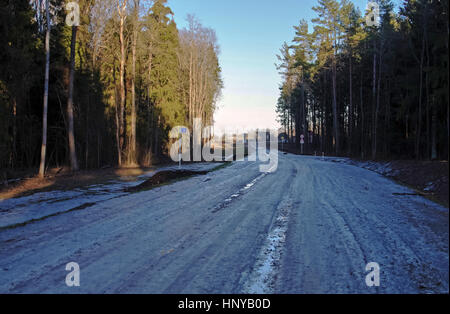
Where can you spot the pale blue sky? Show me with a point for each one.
(250, 34)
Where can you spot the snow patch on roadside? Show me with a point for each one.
(383, 168)
(39, 205)
(263, 278)
(430, 187)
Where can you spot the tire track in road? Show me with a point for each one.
(359, 227)
(243, 190)
(397, 256)
(238, 193)
(324, 254)
(262, 280)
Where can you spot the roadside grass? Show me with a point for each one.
(188, 174)
(67, 181)
(58, 180)
(430, 196)
(428, 179)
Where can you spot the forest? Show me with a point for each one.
(103, 90)
(376, 90)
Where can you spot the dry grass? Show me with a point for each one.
(63, 179)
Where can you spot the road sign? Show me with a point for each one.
(302, 139)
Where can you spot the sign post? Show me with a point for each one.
(302, 141)
(182, 131)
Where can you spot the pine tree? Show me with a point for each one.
(329, 29)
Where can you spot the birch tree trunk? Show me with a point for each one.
(122, 15)
(47, 72)
(133, 84)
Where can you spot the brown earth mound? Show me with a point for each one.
(164, 177)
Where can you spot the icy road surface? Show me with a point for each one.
(310, 227)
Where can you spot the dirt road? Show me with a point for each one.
(310, 227)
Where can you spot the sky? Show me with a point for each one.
(250, 34)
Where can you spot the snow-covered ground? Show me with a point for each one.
(37, 206)
(310, 227)
(382, 167)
